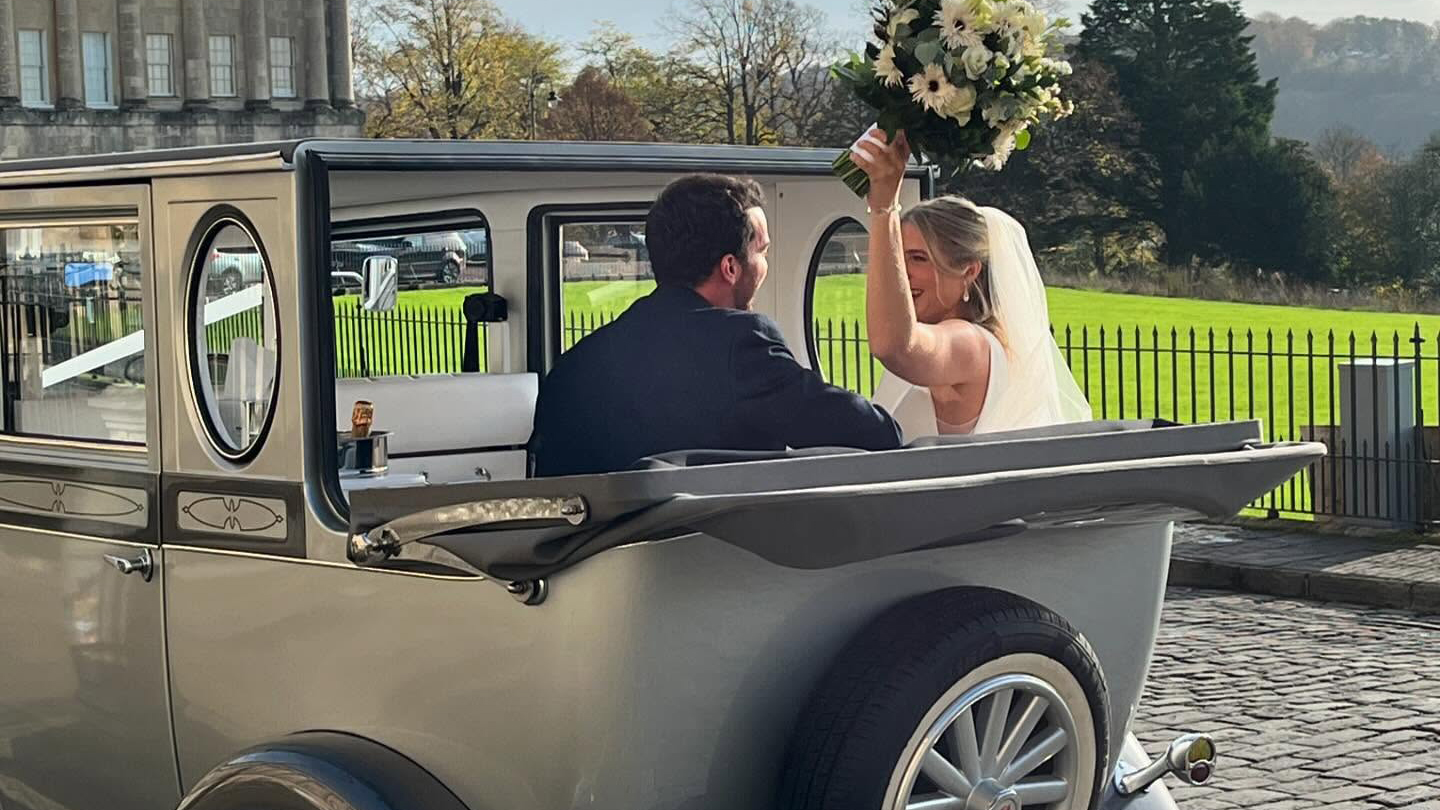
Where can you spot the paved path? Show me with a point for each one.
(1312, 706)
(1400, 573)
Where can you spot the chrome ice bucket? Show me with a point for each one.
(367, 455)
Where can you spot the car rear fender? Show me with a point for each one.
(322, 769)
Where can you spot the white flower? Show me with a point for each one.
(886, 69)
(900, 18)
(1033, 24)
(933, 89)
(959, 24)
(976, 61)
(1009, 15)
(962, 105)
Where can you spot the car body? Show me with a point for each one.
(225, 607)
(438, 258)
(574, 250)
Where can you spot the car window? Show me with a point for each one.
(236, 338)
(73, 342)
(604, 268)
(440, 264)
(836, 293)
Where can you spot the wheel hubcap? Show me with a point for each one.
(1008, 742)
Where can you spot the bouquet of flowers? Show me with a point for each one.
(964, 79)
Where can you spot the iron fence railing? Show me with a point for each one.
(1300, 386)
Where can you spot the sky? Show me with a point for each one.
(574, 19)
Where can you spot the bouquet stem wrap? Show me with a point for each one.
(851, 174)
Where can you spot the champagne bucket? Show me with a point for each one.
(367, 455)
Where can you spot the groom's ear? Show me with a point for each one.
(728, 268)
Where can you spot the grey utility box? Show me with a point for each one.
(1378, 458)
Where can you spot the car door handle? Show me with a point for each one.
(143, 564)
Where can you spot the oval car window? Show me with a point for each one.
(235, 337)
(839, 345)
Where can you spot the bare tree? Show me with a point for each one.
(756, 61)
(1345, 153)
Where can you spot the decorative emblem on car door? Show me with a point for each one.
(238, 515)
(49, 496)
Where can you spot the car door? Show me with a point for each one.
(84, 707)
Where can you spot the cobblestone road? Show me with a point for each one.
(1312, 706)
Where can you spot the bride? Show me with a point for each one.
(956, 312)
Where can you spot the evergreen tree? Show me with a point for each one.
(1186, 70)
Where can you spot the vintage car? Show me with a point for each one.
(218, 595)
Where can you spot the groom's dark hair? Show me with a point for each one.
(697, 221)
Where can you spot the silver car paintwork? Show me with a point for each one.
(663, 675)
(658, 675)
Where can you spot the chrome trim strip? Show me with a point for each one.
(71, 444)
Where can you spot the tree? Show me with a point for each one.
(1346, 154)
(1266, 205)
(1413, 193)
(447, 69)
(756, 63)
(593, 109)
(1185, 68)
(1083, 177)
(664, 87)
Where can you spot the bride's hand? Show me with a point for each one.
(884, 163)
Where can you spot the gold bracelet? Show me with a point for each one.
(893, 209)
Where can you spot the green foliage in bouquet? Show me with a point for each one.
(965, 79)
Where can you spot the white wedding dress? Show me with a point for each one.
(1030, 383)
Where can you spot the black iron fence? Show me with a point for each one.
(1373, 399)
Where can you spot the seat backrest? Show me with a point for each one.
(445, 412)
(248, 372)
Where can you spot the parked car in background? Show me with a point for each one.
(232, 269)
(426, 257)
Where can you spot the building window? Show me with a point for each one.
(34, 69)
(95, 50)
(222, 66)
(158, 55)
(282, 67)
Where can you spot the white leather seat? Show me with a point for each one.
(452, 427)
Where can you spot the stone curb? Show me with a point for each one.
(1320, 586)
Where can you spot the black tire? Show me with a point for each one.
(449, 272)
(865, 711)
(231, 282)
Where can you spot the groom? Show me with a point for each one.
(690, 367)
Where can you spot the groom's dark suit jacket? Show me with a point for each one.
(675, 373)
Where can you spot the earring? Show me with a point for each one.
(966, 297)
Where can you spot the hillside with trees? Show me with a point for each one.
(1379, 77)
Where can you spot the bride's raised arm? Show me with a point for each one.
(952, 352)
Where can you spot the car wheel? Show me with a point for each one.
(974, 697)
(449, 272)
(231, 282)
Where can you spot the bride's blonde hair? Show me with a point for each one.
(956, 235)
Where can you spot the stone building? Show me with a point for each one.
(90, 76)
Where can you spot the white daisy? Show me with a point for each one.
(900, 18)
(886, 69)
(933, 89)
(959, 24)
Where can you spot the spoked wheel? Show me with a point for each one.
(449, 272)
(964, 699)
(1013, 734)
